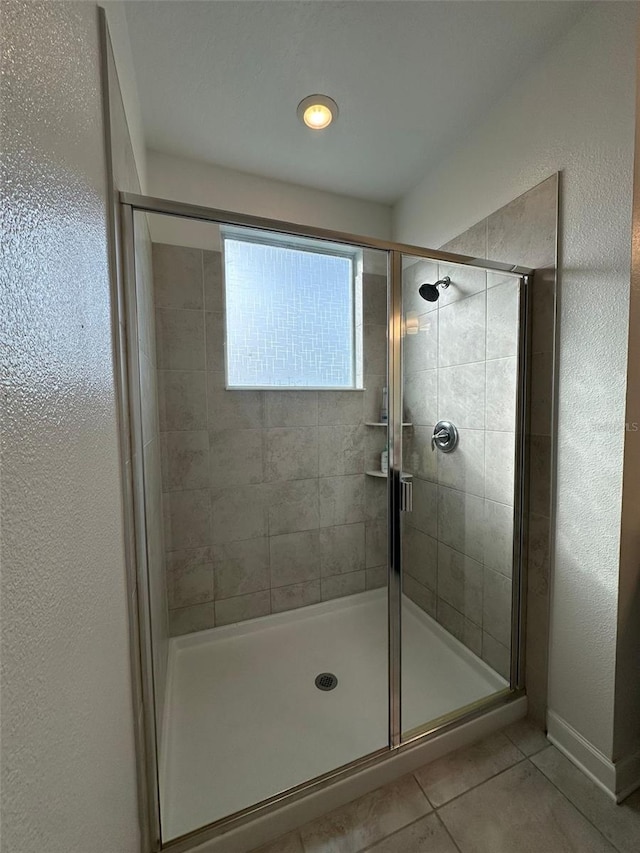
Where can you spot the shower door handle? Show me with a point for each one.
(406, 495)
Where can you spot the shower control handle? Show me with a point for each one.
(445, 437)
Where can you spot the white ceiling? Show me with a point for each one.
(220, 81)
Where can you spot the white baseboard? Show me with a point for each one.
(617, 780)
(296, 814)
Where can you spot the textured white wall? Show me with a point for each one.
(68, 771)
(213, 186)
(573, 111)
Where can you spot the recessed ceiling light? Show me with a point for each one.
(317, 111)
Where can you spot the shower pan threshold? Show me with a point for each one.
(244, 719)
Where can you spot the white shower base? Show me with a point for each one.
(244, 720)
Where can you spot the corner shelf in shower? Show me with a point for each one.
(383, 423)
(382, 475)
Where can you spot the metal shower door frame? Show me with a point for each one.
(130, 203)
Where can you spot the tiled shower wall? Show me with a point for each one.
(267, 506)
(461, 366)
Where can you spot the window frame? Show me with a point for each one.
(314, 246)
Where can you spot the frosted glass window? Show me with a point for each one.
(290, 315)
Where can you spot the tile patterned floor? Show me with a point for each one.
(510, 793)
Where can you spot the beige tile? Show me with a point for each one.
(232, 409)
(541, 392)
(374, 349)
(499, 457)
(243, 607)
(501, 394)
(294, 558)
(420, 556)
(538, 566)
(240, 567)
(540, 474)
(294, 596)
(177, 276)
(371, 818)
(239, 512)
(374, 297)
(465, 281)
(376, 542)
(461, 522)
(149, 399)
(420, 343)
(214, 341)
(342, 500)
(236, 457)
(543, 309)
(290, 843)
(293, 506)
(461, 395)
(472, 637)
(524, 231)
(419, 458)
(372, 397)
(213, 281)
(291, 453)
(342, 549)
(340, 407)
(180, 339)
(453, 774)
(496, 606)
(460, 582)
(528, 737)
(426, 835)
(341, 450)
(375, 441)
(424, 515)
(189, 577)
(450, 619)
(620, 824)
(188, 519)
(462, 331)
(376, 577)
(464, 468)
(498, 537)
(186, 620)
(503, 306)
(341, 585)
(185, 460)
(291, 408)
(376, 500)
(421, 595)
(182, 399)
(496, 655)
(519, 810)
(421, 397)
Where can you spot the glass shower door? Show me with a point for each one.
(460, 348)
(262, 369)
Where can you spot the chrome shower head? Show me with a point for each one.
(430, 292)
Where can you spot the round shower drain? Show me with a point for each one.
(326, 681)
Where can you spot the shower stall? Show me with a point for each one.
(329, 484)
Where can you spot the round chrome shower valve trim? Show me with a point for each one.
(445, 437)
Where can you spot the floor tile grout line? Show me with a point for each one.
(446, 829)
(397, 831)
(575, 805)
(479, 784)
